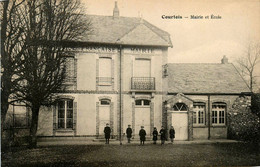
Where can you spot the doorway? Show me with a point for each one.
(180, 121)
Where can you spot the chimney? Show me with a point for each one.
(116, 11)
(224, 60)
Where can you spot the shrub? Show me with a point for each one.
(243, 124)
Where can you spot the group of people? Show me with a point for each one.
(142, 134)
(163, 133)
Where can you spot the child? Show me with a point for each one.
(155, 134)
(107, 131)
(142, 135)
(163, 135)
(129, 133)
(172, 134)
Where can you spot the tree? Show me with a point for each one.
(247, 64)
(12, 47)
(48, 26)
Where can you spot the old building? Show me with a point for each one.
(199, 97)
(116, 71)
(120, 73)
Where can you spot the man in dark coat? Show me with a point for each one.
(107, 131)
(172, 133)
(142, 135)
(163, 135)
(129, 133)
(155, 134)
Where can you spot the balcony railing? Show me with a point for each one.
(106, 81)
(143, 83)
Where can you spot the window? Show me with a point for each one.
(105, 71)
(199, 113)
(142, 102)
(69, 69)
(180, 107)
(218, 113)
(142, 68)
(65, 114)
(105, 102)
(18, 116)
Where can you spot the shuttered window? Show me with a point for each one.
(65, 114)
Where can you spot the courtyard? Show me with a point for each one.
(195, 154)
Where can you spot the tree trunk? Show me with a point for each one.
(4, 60)
(34, 126)
(251, 81)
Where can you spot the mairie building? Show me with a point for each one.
(120, 75)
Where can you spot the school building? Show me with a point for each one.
(120, 73)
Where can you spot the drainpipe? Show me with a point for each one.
(208, 117)
(120, 93)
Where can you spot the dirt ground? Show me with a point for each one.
(218, 154)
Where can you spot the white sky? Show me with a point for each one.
(194, 41)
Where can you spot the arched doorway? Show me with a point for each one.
(180, 121)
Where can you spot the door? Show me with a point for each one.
(142, 118)
(104, 117)
(180, 121)
(180, 124)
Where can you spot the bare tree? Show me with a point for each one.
(247, 64)
(48, 26)
(12, 47)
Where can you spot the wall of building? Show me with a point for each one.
(45, 123)
(202, 131)
(86, 114)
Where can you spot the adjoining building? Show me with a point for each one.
(120, 73)
(199, 98)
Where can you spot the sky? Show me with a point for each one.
(194, 40)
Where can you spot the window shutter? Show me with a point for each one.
(74, 115)
(54, 117)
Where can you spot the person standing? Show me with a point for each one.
(142, 135)
(172, 134)
(129, 133)
(107, 131)
(163, 135)
(155, 134)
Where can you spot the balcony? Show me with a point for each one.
(143, 83)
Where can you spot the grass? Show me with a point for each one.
(224, 154)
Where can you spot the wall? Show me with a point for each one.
(216, 131)
(45, 123)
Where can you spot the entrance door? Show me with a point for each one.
(142, 118)
(180, 121)
(104, 117)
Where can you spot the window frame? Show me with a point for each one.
(180, 108)
(66, 113)
(107, 101)
(105, 80)
(197, 112)
(143, 103)
(218, 119)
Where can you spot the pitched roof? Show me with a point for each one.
(126, 31)
(205, 78)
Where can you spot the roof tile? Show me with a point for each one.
(205, 78)
(126, 30)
